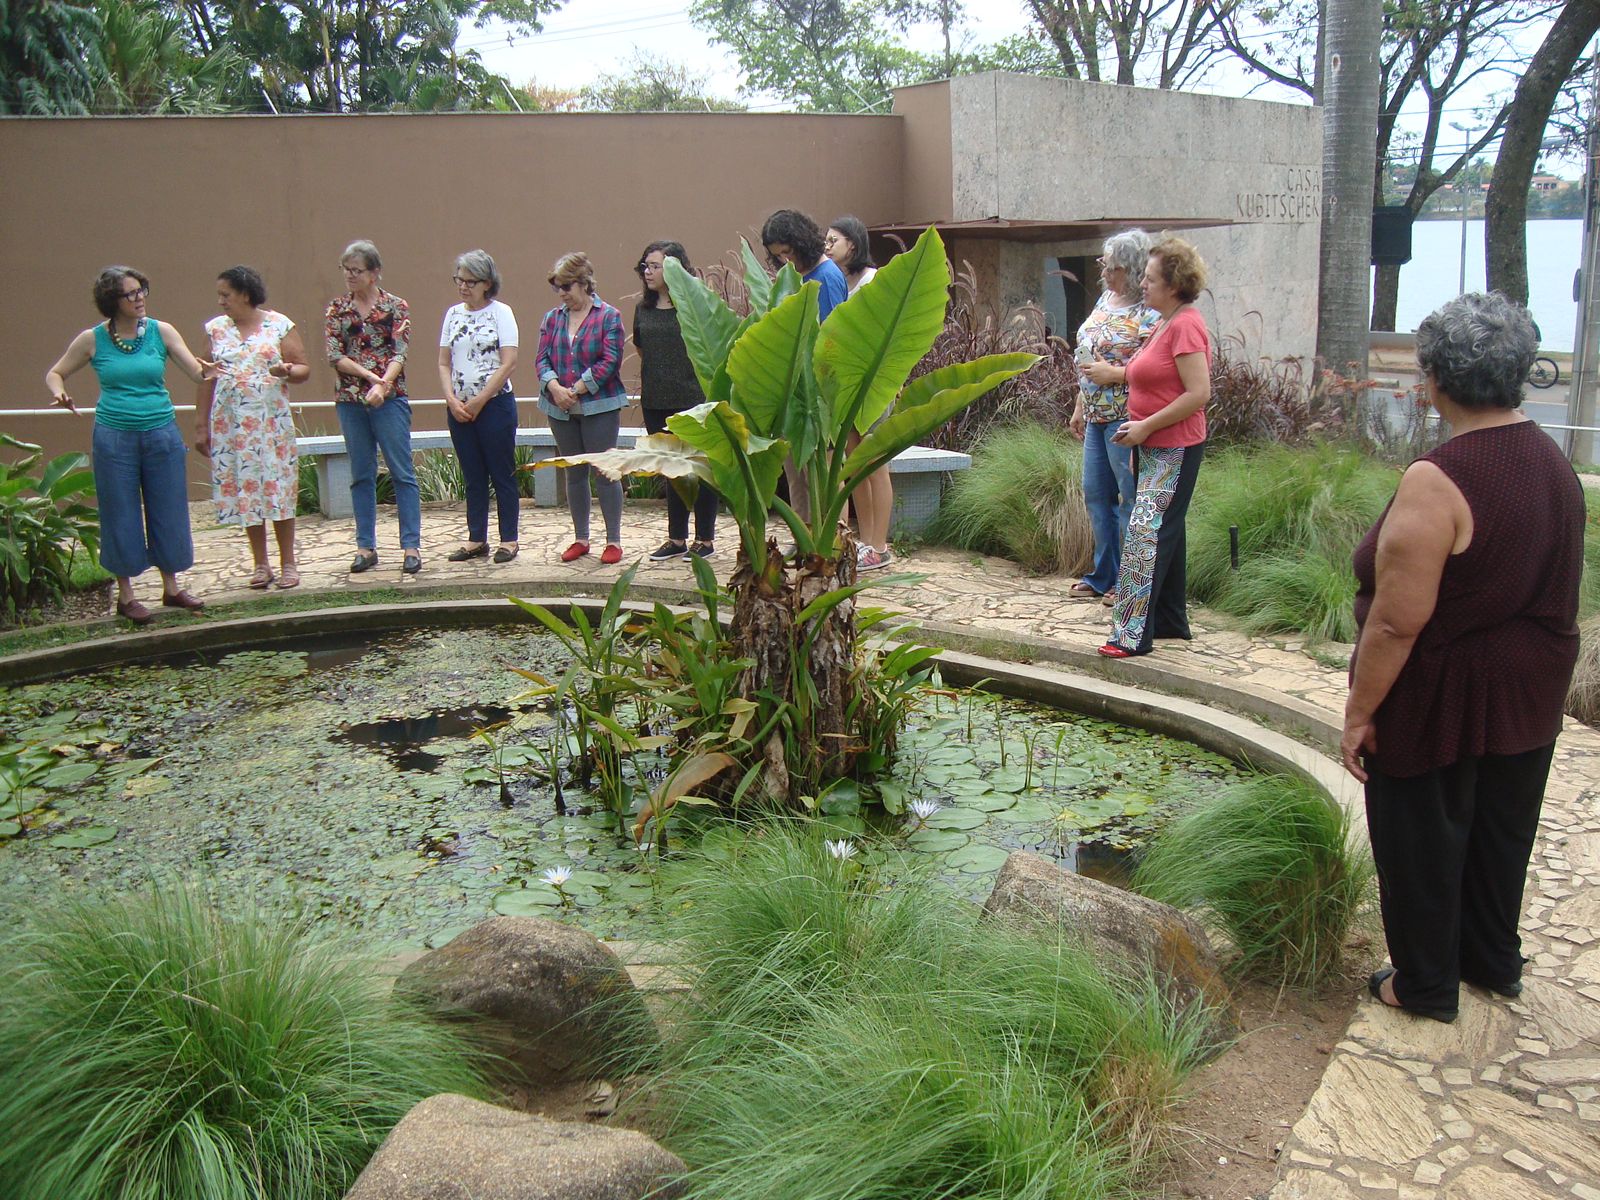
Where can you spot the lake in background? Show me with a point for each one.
(1430, 278)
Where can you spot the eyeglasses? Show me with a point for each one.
(137, 294)
(354, 270)
(832, 240)
(650, 266)
(563, 288)
(460, 282)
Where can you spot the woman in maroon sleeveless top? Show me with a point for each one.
(1468, 606)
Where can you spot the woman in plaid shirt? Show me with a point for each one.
(580, 390)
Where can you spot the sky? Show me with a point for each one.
(587, 39)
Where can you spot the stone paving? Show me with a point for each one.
(1502, 1105)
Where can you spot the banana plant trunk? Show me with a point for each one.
(820, 682)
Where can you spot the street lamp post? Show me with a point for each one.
(1461, 287)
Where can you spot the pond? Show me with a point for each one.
(357, 783)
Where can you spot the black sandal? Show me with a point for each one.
(1375, 985)
(364, 560)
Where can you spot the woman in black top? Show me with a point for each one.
(667, 385)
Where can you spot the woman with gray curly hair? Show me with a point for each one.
(1468, 606)
(477, 353)
(1118, 326)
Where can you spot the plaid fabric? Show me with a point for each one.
(593, 355)
(374, 341)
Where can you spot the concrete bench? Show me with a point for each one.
(919, 473)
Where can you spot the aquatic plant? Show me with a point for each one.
(1274, 865)
(152, 1048)
(780, 386)
(842, 1040)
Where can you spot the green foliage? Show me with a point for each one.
(848, 1039)
(1022, 499)
(152, 66)
(44, 523)
(49, 57)
(153, 1049)
(1273, 864)
(652, 84)
(1301, 513)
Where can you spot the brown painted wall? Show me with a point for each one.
(182, 198)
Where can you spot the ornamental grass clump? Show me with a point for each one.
(153, 1049)
(1022, 499)
(1272, 864)
(847, 1039)
(1300, 513)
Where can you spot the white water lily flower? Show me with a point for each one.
(843, 850)
(556, 876)
(923, 809)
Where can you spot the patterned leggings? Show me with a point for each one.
(1151, 583)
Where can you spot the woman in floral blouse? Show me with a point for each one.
(368, 333)
(1119, 325)
(244, 424)
(580, 390)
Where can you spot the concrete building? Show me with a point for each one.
(1024, 176)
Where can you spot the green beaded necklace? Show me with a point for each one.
(126, 347)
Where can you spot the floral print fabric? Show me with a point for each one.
(1111, 334)
(1158, 484)
(255, 471)
(373, 341)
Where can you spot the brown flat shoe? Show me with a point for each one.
(135, 611)
(183, 598)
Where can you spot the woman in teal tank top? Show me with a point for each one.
(139, 473)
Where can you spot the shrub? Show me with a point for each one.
(438, 475)
(45, 521)
(1583, 697)
(1273, 865)
(973, 328)
(847, 1041)
(309, 500)
(1255, 399)
(1300, 513)
(1022, 498)
(151, 1049)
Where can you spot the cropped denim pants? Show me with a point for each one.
(366, 431)
(143, 490)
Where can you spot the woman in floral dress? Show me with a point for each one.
(244, 423)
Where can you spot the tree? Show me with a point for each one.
(1548, 71)
(49, 56)
(1431, 48)
(149, 64)
(649, 85)
(829, 55)
(355, 55)
(1170, 43)
(777, 386)
(1350, 112)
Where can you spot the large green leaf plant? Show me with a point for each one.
(778, 385)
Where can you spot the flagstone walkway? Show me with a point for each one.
(1502, 1105)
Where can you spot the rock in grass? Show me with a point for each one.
(551, 999)
(1131, 931)
(450, 1147)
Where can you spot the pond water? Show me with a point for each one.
(349, 782)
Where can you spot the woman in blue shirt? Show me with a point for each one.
(139, 472)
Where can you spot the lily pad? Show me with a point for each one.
(77, 839)
(1029, 809)
(978, 859)
(957, 818)
(989, 802)
(535, 900)
(933, 841)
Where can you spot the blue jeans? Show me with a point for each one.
(1108, 487)
(366, 431)
(143, 492)
(487, 450)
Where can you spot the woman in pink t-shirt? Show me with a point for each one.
(1169, 382)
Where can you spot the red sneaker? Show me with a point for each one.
(611, 554)
(575, 551)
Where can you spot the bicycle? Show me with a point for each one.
(1545, 373)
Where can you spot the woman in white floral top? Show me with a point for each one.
(1119, 325)
(244, 422)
